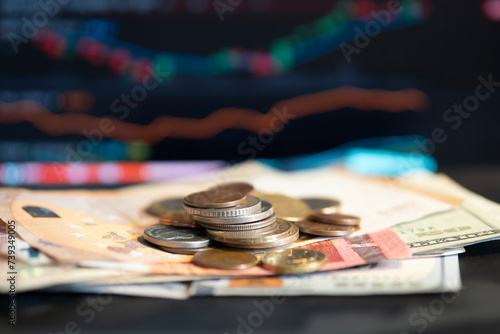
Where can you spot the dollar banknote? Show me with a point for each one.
(476, 219)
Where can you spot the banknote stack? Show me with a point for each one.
(199, 237)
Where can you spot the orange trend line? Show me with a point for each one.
(222, 119)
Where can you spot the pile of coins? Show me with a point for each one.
(237, 219)
(208, 224)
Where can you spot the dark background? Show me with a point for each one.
(443, 56)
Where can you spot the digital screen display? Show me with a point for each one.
(115, 80)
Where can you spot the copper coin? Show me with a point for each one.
(180, 222)
(335, 218)
(236, 187)
(214, 199)
(326, 230)
(221, 259)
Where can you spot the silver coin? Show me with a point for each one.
(240, 227)
(266, 210)
(185, 251)
(235, 236)
(285, 239)
(252, 205)
(175, 237)
(264, 236)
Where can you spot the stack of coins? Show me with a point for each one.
(329, 224)
(233, 217)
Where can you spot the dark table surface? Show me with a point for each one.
(474, 309)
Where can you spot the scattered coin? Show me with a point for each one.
(251, 205)
(327, 230)
(335, 218)
(186, 251)
(264, 212)
(237, 187)
(322, 204)
(293, 261)
(218, 198)
(175, 237)
(240, 227)
(221, 259)
(287, 208)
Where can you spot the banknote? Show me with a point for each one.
(24, 252)
(341, 253)
(122, 248)
(476, 219)
(378, 204)
(29, 277)
(411, 276)
(101, 228)
(168, 290)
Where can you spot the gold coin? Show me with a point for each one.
(335, 218)
(293, 261)
(236, 187)
(221, 259)
(325, 205)
(171, 208)
(326, 230)
(287, 208)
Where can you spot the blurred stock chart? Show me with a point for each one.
(137, 83)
